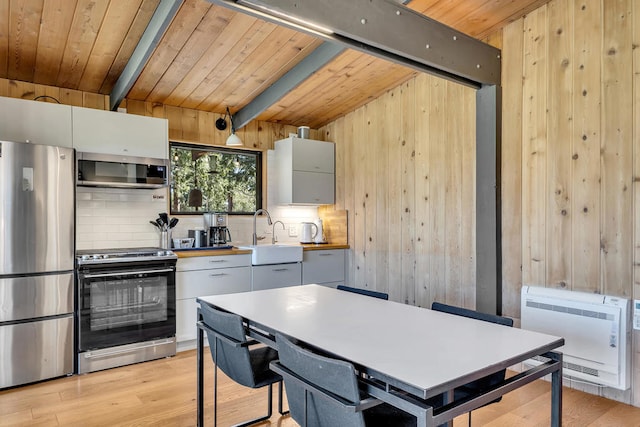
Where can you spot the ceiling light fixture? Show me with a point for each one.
(233, 140)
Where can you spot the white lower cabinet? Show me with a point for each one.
(323, 267)
(202, 276)
(276, 276)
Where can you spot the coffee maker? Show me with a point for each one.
(219, 233)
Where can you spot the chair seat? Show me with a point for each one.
(260, 359)
(385, 415)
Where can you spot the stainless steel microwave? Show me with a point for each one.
(108, 170)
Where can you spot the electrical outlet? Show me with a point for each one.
(293, 231)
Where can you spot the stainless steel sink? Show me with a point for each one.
(274, 254)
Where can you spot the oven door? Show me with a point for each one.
(120, 305)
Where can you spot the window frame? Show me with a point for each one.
(221, 149)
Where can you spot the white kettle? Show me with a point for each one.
(320, 233)
(308, 232)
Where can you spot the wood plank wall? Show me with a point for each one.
(570, 169)
(570, 153)
(405, 170)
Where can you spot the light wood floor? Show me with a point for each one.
(163, 393)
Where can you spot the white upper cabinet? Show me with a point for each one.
(304, 171)
(108, 132)
(35, 121)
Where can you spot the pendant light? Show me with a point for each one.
(233, 140)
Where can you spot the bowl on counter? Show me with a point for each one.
(185, 243)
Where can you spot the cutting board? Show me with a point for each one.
(334, 224)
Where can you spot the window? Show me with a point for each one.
(212, 179)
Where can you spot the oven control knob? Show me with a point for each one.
(95, 256)
(85, 257)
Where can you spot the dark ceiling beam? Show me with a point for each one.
(317, 59)
(162, 17)
(386, 29)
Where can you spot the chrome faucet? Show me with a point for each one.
(273, 232)
(255, 214)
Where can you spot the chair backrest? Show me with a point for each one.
(366, 292)
(335, 376)
(495, 378)
(233, 361)
(465, 312)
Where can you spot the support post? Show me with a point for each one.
(488, 201)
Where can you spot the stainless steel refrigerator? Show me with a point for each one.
(36, 262)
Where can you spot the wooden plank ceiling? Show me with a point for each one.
(210, 57)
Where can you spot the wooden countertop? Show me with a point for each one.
(321, 246)
(211, 252)
(236, 251)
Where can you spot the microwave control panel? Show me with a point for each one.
(636, 314)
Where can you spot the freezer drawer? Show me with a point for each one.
(34, 351)
(35, 296)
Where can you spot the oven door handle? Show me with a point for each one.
(128, 273)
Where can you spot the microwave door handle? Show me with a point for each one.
(127, 273)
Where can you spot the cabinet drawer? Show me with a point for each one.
(191, 284)
(276, 276)
(323, 266)
(208, 262)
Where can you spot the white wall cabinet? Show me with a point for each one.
(305, 171)
(276, 276)
(324, 267)
(35, 121)
(108, 132)
(202, 276)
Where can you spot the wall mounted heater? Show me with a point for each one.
(595, 329)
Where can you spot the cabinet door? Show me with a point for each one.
(108, 132)
(186, 316)
(38, 122)
(323, 266)
(313, 188)
(191, 284)
(313, 156)
(276, 276)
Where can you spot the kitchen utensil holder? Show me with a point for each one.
(165, 239)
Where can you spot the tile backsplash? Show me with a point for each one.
(119, 218)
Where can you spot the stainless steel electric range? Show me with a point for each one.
(126, 307)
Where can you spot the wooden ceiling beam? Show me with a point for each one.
(386, 29)
(162, 17)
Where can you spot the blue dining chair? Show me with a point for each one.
(231, 352)
(324, 392)
(366, 292)
(489, 381)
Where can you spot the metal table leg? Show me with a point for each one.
(556, 392)
(200, 380)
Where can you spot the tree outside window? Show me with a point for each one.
(208, 179)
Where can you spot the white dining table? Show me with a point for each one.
(417, 351)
